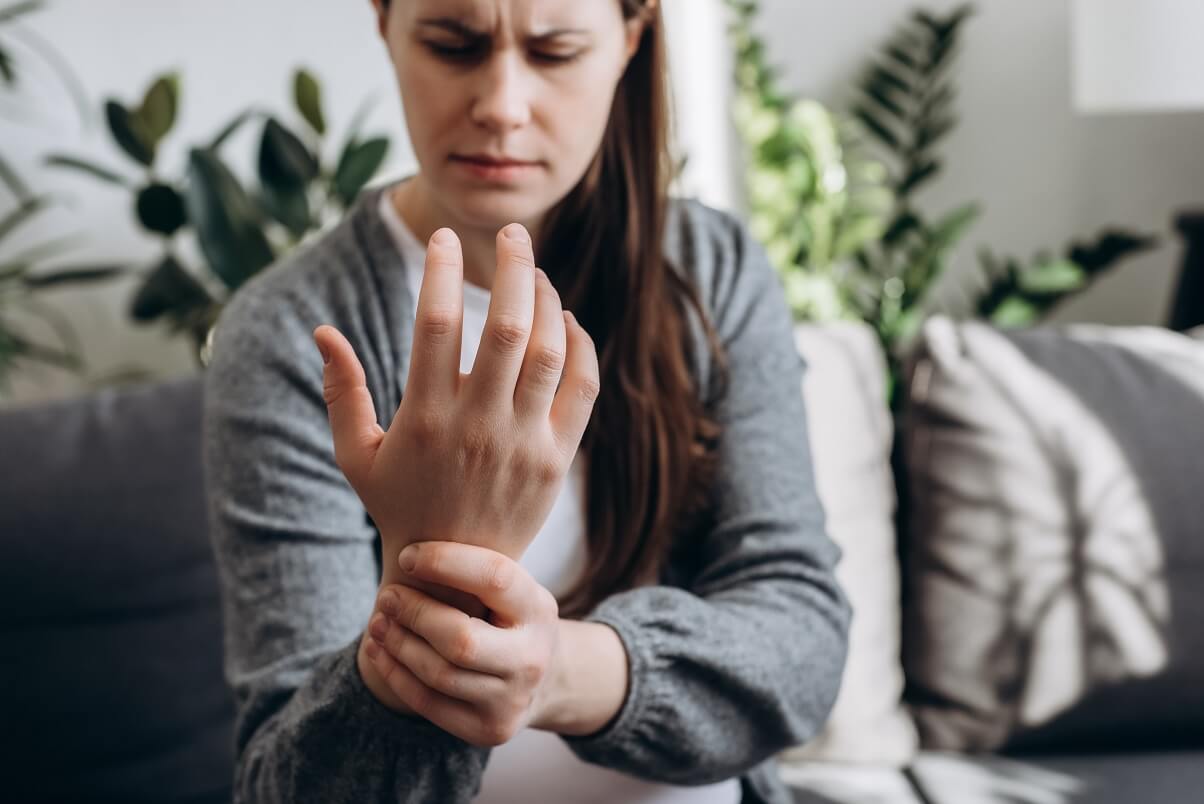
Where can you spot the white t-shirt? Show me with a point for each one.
(537, 765)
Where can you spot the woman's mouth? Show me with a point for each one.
(494, 168)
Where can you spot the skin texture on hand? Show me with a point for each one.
(502, 437)
(484, 680)
(478, 457)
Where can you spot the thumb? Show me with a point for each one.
(353, 424)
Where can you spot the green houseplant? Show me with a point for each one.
(22, 279)
(892, 254)
(239, 230)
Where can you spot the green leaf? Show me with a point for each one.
(290, 207)
(918, 174)
(876, 127)
(357, 165)
(157, 114)
(1014, 312)
(91, 168)
(1109, 248)
(20, 9)
(904, 223)
(226, 221)
(881, 96)
(881, 76)
(307, 93)
(6, 68)
(128, 130)
(161, 209)
(229, 129)
(168, 288)
(933, 130)
(949, 230)
(1057, 277)
(285, 164)
(74, 276)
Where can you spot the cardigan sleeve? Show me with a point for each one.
(745, 659)
(298, 570)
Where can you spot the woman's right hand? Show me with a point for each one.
(476, 458)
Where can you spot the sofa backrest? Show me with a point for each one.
(110, 656)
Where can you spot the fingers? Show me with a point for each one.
(579, 387)
(431, 668)
(496, 580)
(453, 716)
(467, 642)
(544, 360)
(439, 323)
(353, 424)
(508, 324)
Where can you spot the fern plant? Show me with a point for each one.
(816, 183)
(22, 277)
(815, 198)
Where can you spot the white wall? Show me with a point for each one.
(1044, 173)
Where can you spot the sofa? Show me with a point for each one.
(1025, 561)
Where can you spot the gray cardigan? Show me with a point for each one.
(737, 655)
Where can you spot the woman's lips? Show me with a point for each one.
(493, 169)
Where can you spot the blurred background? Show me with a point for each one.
(1033, 169)
(988, 219)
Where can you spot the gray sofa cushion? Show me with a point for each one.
(1156, 778)
(1056, 546)
(110, 657)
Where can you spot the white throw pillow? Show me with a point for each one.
(850, 426)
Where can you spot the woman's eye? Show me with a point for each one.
(555, 58)
(455, 52)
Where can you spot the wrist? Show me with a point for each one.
(587, 682)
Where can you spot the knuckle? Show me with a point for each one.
(464, 647)
(508, 334)
(530, 673)
(548, 363)
(438, 322)
(497, 731)
(549, 607)
(445, 678)
(500, 574)
(425, 426)
(588, 390)
(547, 470)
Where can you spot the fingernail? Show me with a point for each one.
(407, 560)
(444, 237)
(325, 354)
(372, 649)
(378, 627)
(517, 232)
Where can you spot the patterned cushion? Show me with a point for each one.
(1055, 557)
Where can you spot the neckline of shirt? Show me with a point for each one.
(413, 251)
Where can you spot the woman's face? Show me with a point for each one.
(506, 101)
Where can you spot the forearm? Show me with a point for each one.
(589, 682)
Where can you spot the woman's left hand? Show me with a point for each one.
(482, 681)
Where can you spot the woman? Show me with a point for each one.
(473, 552)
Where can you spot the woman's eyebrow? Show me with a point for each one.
(456, 26)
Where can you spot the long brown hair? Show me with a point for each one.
(650, 445)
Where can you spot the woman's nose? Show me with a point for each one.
(503, 102)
